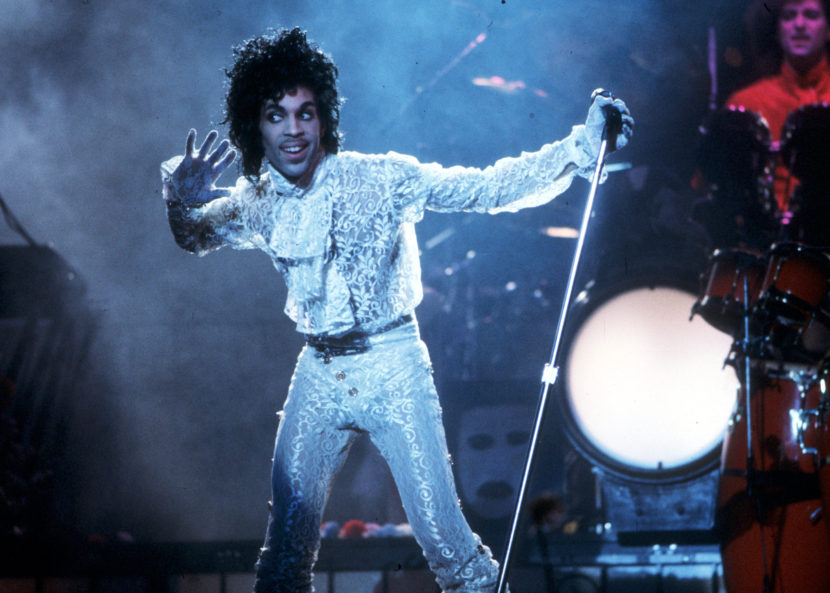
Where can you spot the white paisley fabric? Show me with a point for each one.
(347, 250)
(388, 394)
(346, 244)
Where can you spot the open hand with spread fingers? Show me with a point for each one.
(192, 181)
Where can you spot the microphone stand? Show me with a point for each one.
(613, 124)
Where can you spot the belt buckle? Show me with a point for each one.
(327, 350)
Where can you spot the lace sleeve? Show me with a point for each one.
(510, 184)
(206, 228)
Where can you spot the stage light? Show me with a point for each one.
(646, 398)
(647, 384)
(560, 232)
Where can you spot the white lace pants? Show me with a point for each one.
(388, 393)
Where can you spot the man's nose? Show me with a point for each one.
(294, 126)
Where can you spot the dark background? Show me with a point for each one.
(164, 429)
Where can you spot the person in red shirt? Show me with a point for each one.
(763, 126)
(795, 34)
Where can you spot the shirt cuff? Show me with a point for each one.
(584, 155)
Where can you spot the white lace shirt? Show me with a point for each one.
(346, 244)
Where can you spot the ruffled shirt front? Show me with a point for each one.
(346, 244)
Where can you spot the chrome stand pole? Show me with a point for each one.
(551, 370)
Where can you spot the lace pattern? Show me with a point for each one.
(346, 245)
(347, 249)
(397, 405)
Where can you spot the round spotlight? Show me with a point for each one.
(646, 394)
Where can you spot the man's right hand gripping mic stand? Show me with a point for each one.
(613, 126)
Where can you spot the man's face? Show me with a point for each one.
(291, 132)
(803, 30)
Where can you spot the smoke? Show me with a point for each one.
(196, 352)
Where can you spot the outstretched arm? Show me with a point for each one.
(513, 183)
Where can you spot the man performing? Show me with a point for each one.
(339, 228)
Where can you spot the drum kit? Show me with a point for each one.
(773, 498)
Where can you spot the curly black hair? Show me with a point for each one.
(761, 19)
(266, 67)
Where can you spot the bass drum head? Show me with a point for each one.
(645, 394)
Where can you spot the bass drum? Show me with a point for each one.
(770, 517)
(646, 396)
(814, 435)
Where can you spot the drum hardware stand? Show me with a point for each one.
(750, 456)
(613, 124)
(750, 462)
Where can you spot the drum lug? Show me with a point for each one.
(736, 417)
(800, 421)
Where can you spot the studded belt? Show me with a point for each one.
(353, 342)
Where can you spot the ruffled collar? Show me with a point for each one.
(302, 216)
(319, 300)
(284, 187)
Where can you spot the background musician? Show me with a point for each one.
(790, 38)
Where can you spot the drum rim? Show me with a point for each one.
(791, 120)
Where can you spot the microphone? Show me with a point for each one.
(613, 119)
(601, 93)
